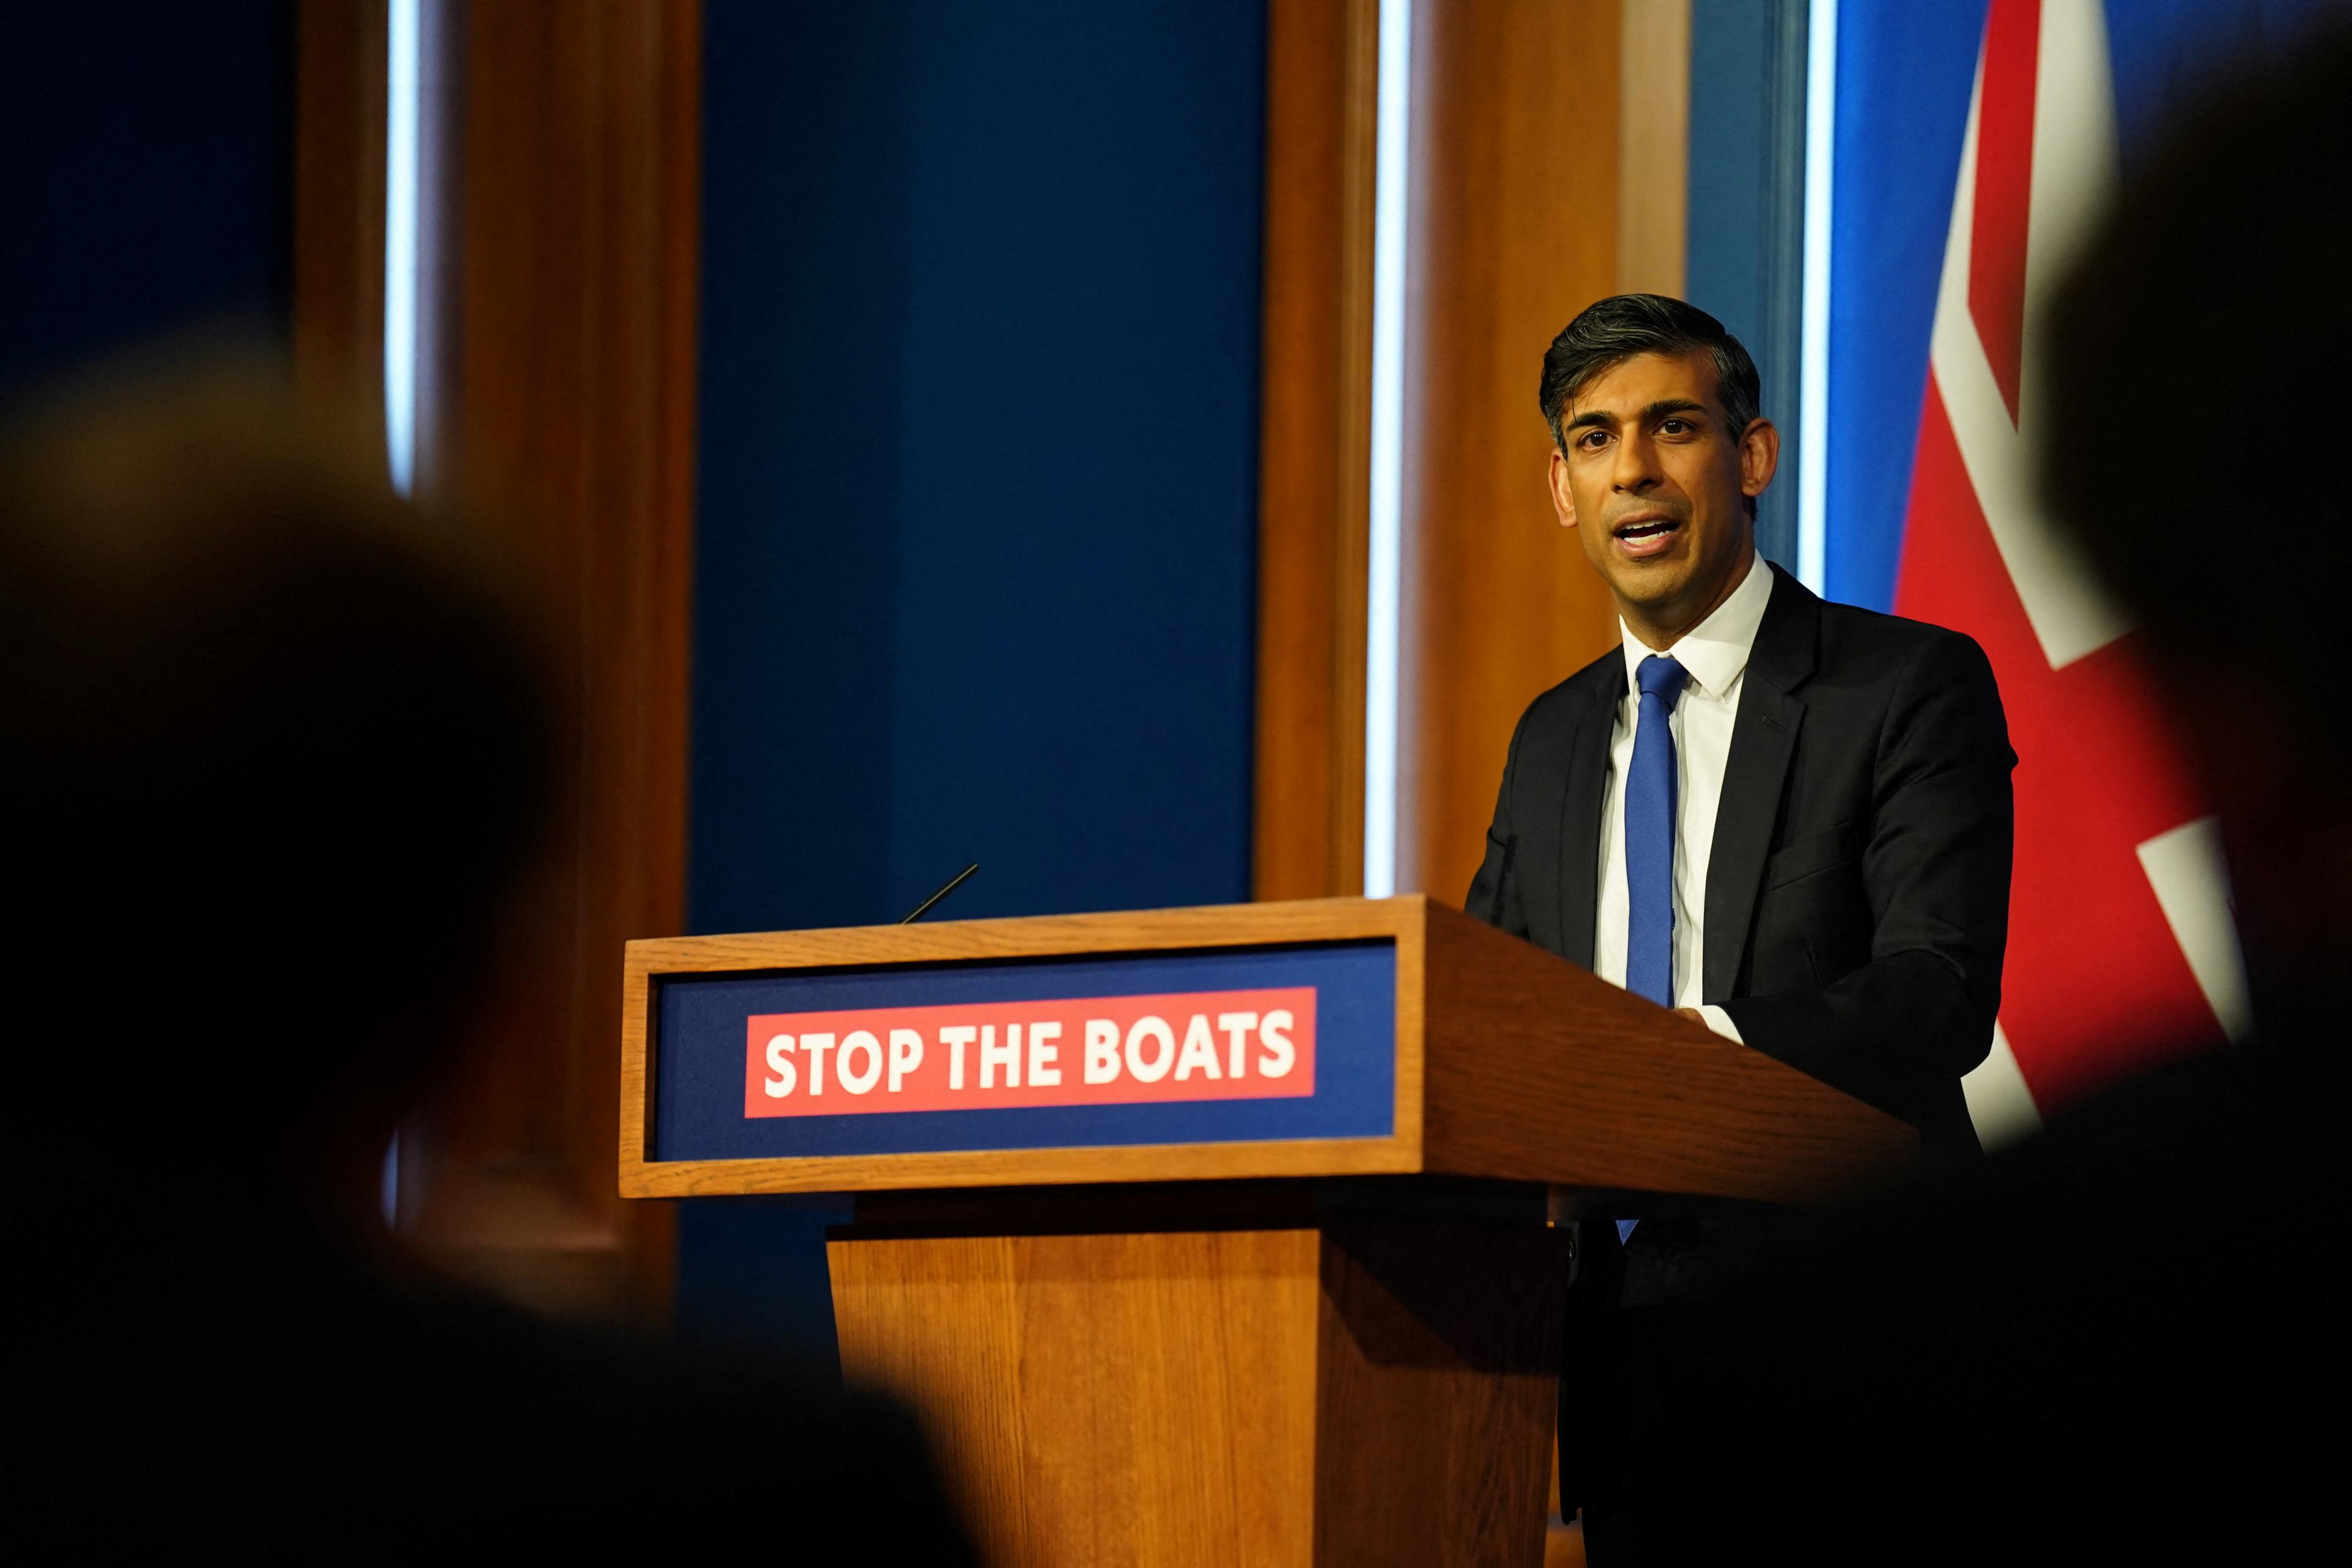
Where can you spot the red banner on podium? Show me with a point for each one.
(1101, 1050)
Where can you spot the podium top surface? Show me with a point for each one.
(1325, 1037)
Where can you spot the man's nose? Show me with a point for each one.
(1637, 465)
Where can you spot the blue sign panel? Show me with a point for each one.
(1223, 1046)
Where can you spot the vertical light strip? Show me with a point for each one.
(403, 109)
(1813, 389)
(1384, 552)
(403, 112)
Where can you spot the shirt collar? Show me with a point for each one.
(1716, 650)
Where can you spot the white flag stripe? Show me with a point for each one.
(2075, 171)
(2000, 1104)
(2191, 880)
(2071, 618)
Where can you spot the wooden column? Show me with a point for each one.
(1314, 457)
(339, 122)
(1654, 146)
(557, 275)
(1547, 170)
(568, 428)
(1351, 1394)
(1516, 203)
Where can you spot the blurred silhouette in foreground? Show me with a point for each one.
(2127, 1338)
(276, 752)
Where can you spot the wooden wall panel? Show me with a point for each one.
(1315, 425)
(339, 101)
(1516, 203)
(1549, 152)
(566, 424)
(1653, 141)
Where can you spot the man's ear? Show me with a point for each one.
(1563, 500)
(1759, 457)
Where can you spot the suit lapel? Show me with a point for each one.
(1763, 741)
(1580, 812)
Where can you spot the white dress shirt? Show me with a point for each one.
(1714, 654)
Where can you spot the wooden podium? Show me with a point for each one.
(1286, 1292)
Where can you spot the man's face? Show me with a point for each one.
(1656, 484)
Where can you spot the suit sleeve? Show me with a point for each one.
(1494, 893)
(1935, 871)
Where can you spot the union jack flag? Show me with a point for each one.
(2121, 942)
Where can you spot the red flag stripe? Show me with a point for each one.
(2012, 48)
(2094, 971)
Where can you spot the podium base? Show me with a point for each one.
(1362, 1388)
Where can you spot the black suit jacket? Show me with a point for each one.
(1857, 897)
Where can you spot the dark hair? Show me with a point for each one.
(1609, 332)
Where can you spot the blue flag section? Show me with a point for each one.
(1904, 77)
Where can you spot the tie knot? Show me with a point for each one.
(1661, 676)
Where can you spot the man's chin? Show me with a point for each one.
(1649, 584)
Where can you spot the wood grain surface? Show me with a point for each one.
(1539, 1071)
(560, 421)
(557, 256)
(1104, 1400)
(1652, 146)
(1437, 1392)
(1303, 1157)
(1123, 930)
(1515, 216)
(338, 175)
(1367, 1394)
(1314, 462)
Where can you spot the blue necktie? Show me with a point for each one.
(1650, 836)
(1650, 842)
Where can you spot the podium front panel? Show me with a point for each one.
(1332, 1037)
(1227, 1046)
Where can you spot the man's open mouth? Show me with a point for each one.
(1641, 537)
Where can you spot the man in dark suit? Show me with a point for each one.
(1787, 819)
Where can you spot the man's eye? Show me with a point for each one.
(1591, 440)
(1674, 427)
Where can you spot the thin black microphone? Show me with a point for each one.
(920, 910)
